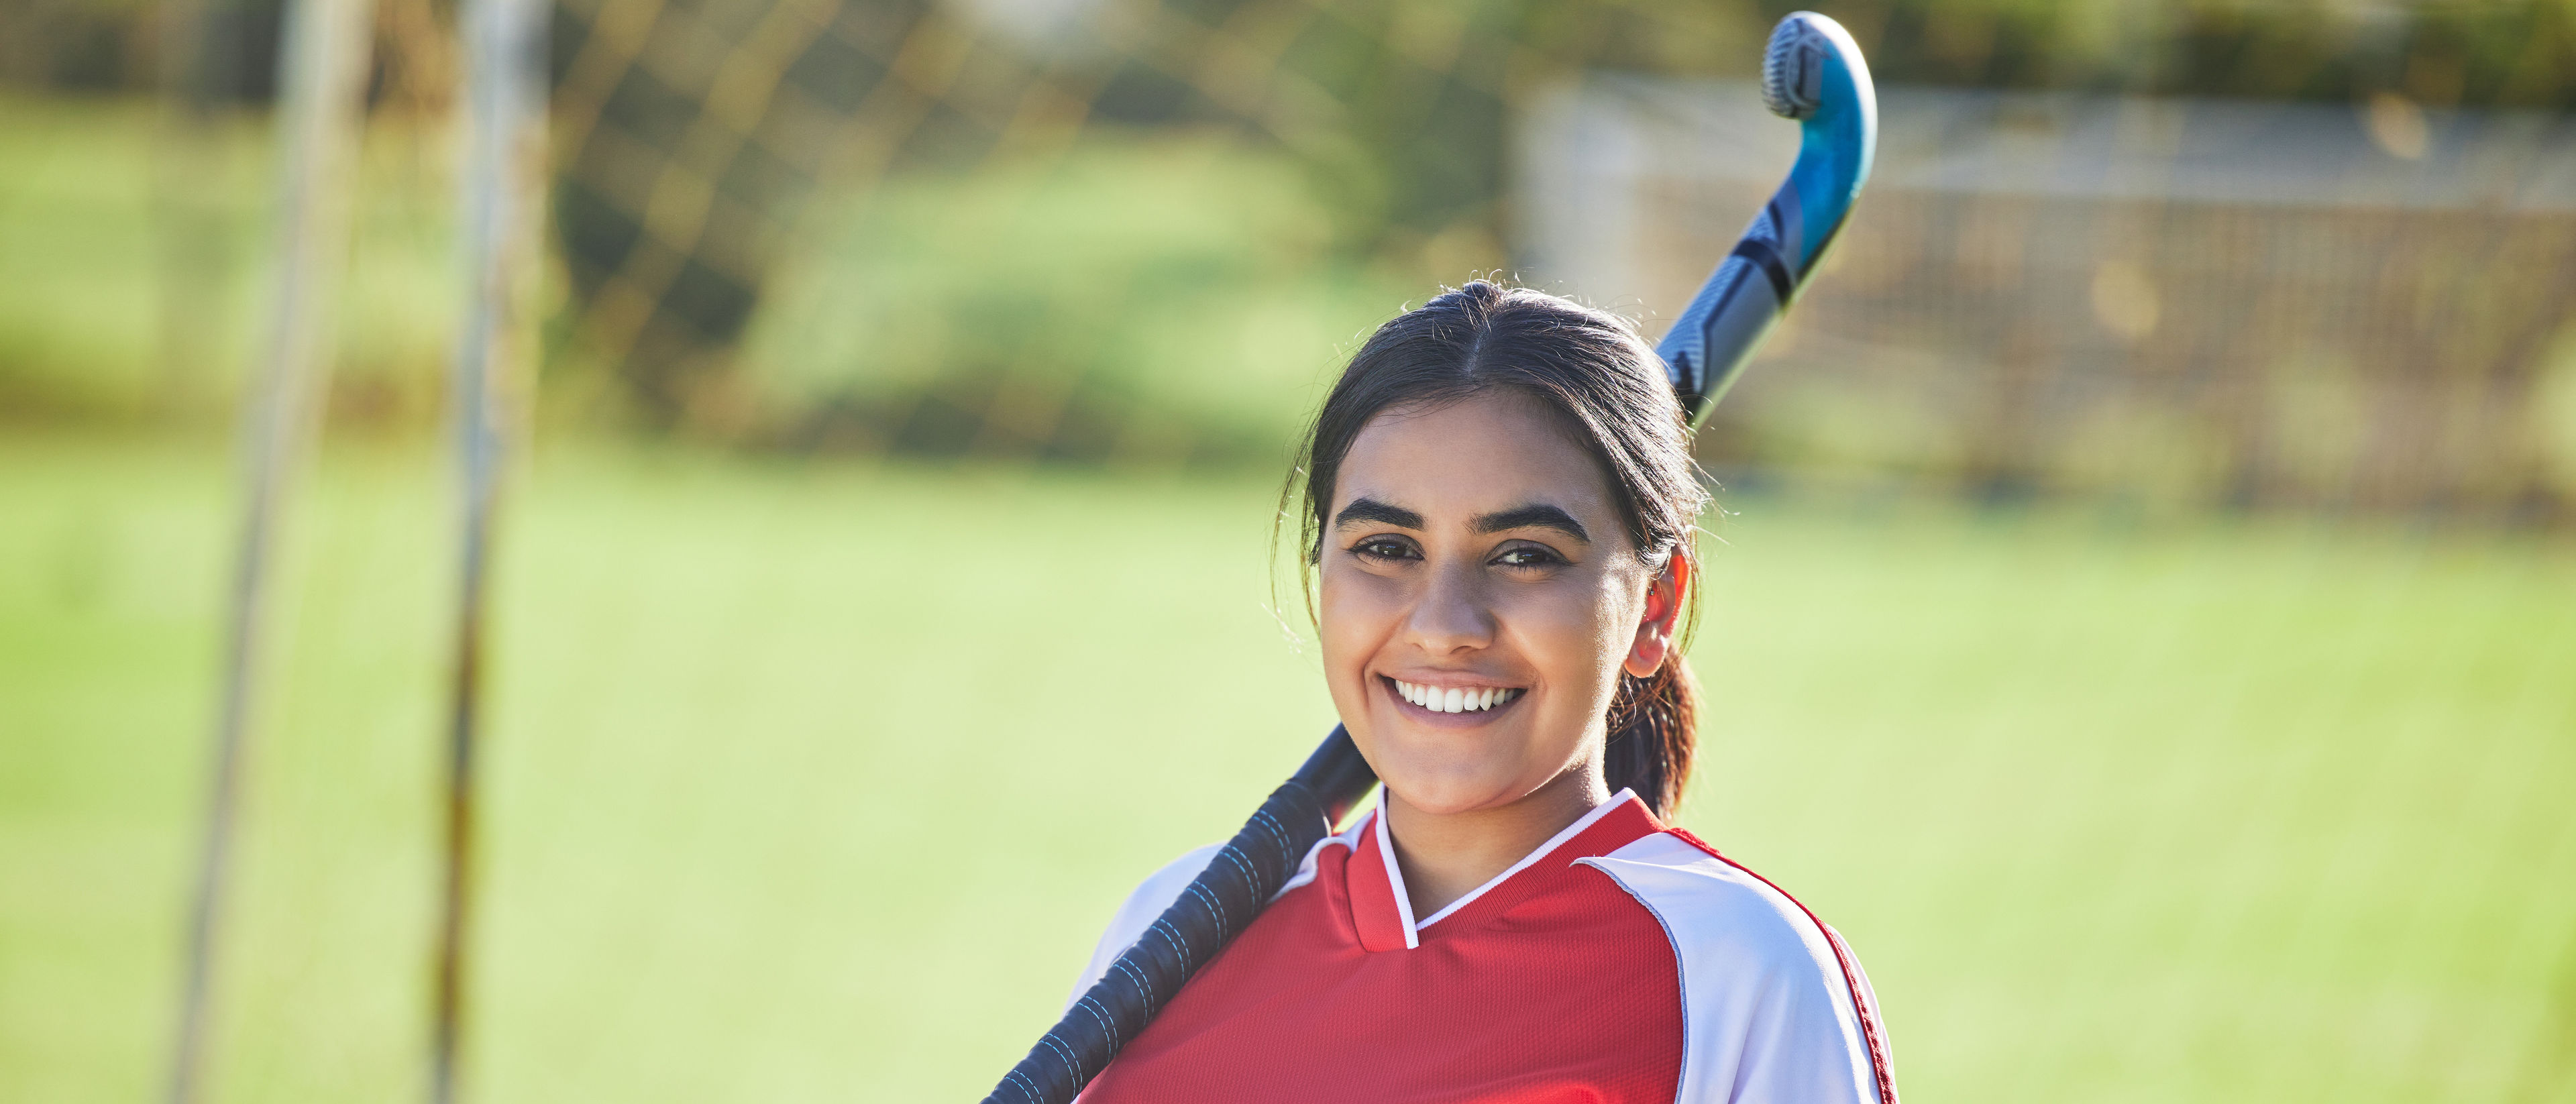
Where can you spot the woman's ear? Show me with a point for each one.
(1664, 594)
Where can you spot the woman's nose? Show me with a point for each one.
(1453, 614)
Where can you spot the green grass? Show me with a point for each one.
(816, 782)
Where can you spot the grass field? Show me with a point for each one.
(815, 782)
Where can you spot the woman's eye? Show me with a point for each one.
(1528, 556)
(1384, 548)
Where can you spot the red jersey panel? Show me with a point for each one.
(1619, 962)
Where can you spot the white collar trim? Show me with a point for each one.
(1395, 875)
(1404, 901)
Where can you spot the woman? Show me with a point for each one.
(1496, 519)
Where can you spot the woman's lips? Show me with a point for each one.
(1433, 698)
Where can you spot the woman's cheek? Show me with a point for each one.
(1568, 634)
(1614, 612)
(1357, 611)
(1565, 629)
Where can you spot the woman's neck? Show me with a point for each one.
(1445, 856)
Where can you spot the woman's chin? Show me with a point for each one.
(1446, 789)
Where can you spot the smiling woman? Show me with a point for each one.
(1496, 517)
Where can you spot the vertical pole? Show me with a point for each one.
(504, 165)
(322, 70)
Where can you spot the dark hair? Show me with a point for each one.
(1591, 370)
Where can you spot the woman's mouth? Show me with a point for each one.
(1454, 699)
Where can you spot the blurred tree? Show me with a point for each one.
(2519, 53)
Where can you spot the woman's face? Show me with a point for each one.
(1480, 596)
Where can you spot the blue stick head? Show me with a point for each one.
(1812, 72)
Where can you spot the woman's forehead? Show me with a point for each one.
(1496, 450)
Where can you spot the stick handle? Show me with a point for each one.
(1211, 911)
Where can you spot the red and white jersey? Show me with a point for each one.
(1622, 962)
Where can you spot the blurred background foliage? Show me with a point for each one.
(997, 313)
(2140, 619)
(731, 171)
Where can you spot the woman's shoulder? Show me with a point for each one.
(1137, 913)
(1769, 991)
(1164, 886)
(1713, 903)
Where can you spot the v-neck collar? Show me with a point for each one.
(1382, 912)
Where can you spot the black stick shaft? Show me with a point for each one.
(1216, 907)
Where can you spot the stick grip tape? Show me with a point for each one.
(1216, 906)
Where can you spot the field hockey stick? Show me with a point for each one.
(1811, 72)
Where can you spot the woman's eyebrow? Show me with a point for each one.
(1370, 509)
(1534, 516)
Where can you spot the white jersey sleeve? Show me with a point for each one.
(1774, 1009)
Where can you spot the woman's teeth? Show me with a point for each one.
(1453, 699)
